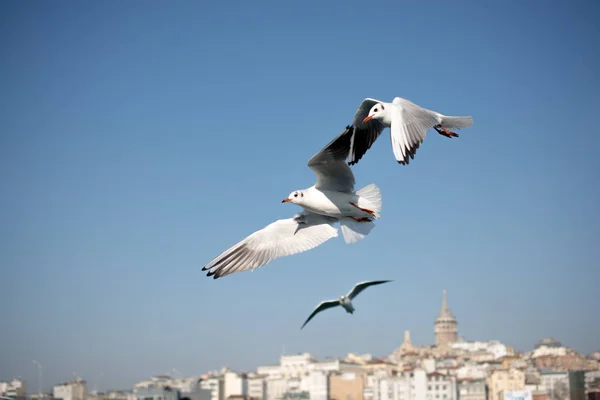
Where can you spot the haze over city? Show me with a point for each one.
(139, 140)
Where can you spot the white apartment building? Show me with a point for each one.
(74, 390)
(257, 386)
(155, 381)
(13, 388)
(302, 376)
(120, 395)
(214, 383)
(592, 380)
(235, 384)
(552, 380)
(471, 389)
(184, 385)
(414, 385)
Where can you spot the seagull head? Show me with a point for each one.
(294, 197)
(377, 112)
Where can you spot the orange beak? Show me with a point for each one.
(286, 200)
(370, 117)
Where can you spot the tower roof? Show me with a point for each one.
(445, 311)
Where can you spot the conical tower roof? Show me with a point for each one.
(445, 312)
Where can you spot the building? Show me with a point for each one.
(347, 386)
(407, 345)
(120, 395)
(592, 381)
(471, 389)
(73, 390)
(446, 331)
(505, 380)
(190, 389)
(215, 383)
(576, 385)
(564, 385)
(470, 371)
(257, 387)
(301, 375)
(493, 347)
(14, 389)
(235, 384)
(157, 393)
(412, 385)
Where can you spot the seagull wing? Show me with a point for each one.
(364, 134)
(321, 307)
(409, 126)
(283, 237)
(330, 166)
(359, 287)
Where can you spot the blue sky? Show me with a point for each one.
(138, 140)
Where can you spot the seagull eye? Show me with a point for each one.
(374, 110)
(295, 194)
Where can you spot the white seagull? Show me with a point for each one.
(344, 301)
(408, 124)
(332, 199)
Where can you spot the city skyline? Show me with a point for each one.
(138, 142)
(442, 339)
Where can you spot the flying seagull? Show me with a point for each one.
(408, 124)
(344, 301)
(332, 199)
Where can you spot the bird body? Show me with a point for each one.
(346, 304)
(335, 204)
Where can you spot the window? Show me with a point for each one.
(437, 387)
(444, 387)
(429, 387)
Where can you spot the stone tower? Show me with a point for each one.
(446, 331)
(407, 345)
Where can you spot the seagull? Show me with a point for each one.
(408, 124)
(332, 199)
(344, 301)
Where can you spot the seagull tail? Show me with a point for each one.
(354, 231)
(456, 122)
(369, 197)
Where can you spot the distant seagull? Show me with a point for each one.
(344, 301)
(332, 199)
(408, 124)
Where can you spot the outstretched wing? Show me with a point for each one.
(330, 166)
(409, 126)
(364, 134)
(321, 307)
(359, 287)
(283, 237)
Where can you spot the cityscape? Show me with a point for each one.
(450, 369)
(186, 184)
